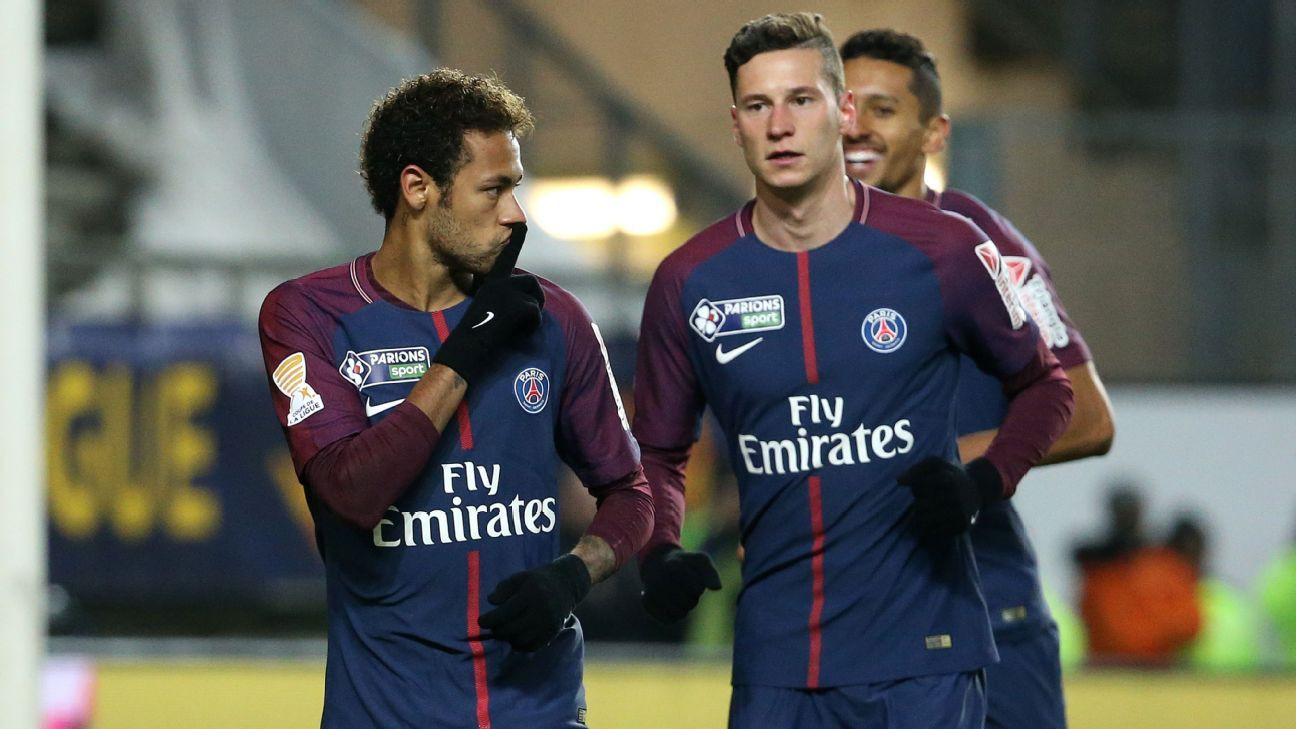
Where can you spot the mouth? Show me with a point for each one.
(860, 162)
(783, 157)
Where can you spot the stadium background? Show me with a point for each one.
(196, 153)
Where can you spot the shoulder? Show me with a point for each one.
(558, 301)
(1000, 230)
(325, 293)
(920, 223)
(704, 245)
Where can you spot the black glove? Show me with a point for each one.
(674, 580)
(947, 496)
(534, 605)
(504, 306)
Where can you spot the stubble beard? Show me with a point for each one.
(450, 243)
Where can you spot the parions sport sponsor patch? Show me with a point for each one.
(711, 319)
(384, 366)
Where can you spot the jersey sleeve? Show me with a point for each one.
(668, 402)
(984, 316)
(1033, 280)
(315, 405)
(986, 321)
(593, 433)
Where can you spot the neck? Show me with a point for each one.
(407, 268)
(804, 218)
(916, 186)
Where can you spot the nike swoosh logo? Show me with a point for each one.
(372, 410)
(724, 357)
(489, 315)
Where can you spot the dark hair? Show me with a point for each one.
(780, 32)
(885, 44)
(423, 121)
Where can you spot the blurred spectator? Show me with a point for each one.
(1124, 526)
(1073, 644)
(1229, 635)
(1278, 599)
(1138, 602)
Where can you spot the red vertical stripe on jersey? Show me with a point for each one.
(817, 582)
(807, 321)
(474, 641)
(465, 425)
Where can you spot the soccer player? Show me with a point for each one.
(427, 392)
(823, 323)
(898, 123)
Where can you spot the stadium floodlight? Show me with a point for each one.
(574, 208)
(645, 205)
(591, 208)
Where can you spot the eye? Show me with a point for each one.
(883, 111)
(755, 106)
(803, 100)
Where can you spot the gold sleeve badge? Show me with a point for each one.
(290, 378)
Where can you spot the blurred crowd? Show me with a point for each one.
(1145, 596)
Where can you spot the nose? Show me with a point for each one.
(780, 122)
(511, 210)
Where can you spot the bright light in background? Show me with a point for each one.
(935, 174)
(573, 207)
(577, 208)
(645, 205)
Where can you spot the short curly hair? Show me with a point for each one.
(781, 32)
(885, 44)
(423, 122)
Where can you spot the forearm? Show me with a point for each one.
(598, 557)
(1090, 432)
(664, 469)
(438, 393)
(359, 476)
(624, 519)
(1039, 409)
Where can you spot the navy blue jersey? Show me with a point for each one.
(1005, 558)
(830, 372)
(404, 649)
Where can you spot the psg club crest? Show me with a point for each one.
(532, 389)
(884, 330)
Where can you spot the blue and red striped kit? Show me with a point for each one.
(830, 371)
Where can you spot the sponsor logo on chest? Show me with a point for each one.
(384, 366)
(711, 319)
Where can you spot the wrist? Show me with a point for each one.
(464, 354)
(574, 575)
(987, 479)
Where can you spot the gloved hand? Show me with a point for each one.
(504, 306)
(534, 605)
(674, 580)
(947, 496)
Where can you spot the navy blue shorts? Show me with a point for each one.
(1024, 689)
(948, 701)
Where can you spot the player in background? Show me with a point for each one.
(899, 122)
(823, 323)
(428, 391)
